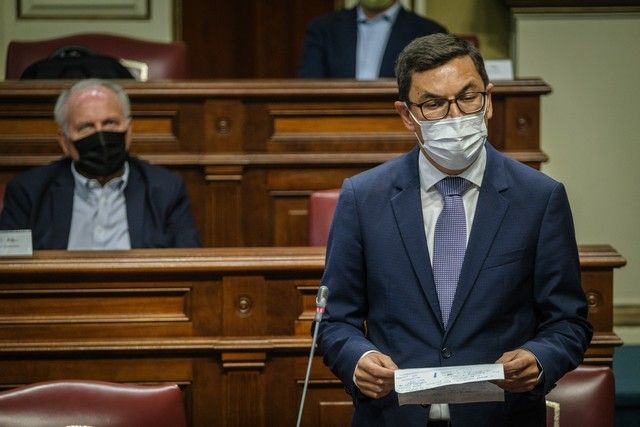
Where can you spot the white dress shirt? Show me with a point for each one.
(432, 203)
(99, 215)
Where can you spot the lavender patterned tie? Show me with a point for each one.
(450, 241)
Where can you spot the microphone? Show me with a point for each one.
(321, 303)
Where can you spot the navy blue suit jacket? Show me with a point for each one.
(158, 213)
(330, 43)
(519, 287)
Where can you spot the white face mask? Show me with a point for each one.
(453, 143)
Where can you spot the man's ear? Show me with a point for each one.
(128, 136)
(489, 110)
(403, 110)
(62, 142)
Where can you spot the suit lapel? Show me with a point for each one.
(61, 209)
(348, 28)
(134, 197)
(397, 41)
(490, 211)
(407, 210)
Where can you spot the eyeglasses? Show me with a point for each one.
(438, 108)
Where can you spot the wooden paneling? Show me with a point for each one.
(245, 39)
(99, 305)
(600, 300)
(251, 151)
(230, 325)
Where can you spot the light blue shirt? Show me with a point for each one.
(373, 35)
(99, 216)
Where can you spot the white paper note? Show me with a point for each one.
(450, 384)
(15, 243)
(499, 69)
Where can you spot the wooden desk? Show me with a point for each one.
(230, 325)
(251, 151)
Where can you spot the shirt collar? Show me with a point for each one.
(430, 175)
(84, 185)
(389, 15)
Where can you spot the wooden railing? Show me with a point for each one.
(251, 151)
(230, 325)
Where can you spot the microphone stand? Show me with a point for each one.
(321, 303)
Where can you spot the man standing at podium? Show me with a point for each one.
(452, 254)
(97, 196)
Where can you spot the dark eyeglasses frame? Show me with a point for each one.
(450, 101)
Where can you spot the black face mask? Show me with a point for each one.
(101, 153)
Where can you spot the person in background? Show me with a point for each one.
(362, 42)
(451, 254)
(97, 196)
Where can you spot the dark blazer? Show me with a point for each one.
(330, 43)
(519, 287)
(158, 213)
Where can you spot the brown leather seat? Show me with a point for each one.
(583, 397)
(320, 213)
(164, 60)
(92, 403)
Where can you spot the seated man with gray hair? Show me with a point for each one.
(97, 196)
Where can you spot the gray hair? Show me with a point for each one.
(60, 110)
(432, 51)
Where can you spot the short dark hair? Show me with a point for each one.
(432, 51)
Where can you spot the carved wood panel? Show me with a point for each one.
(251, 151)
(231, 326)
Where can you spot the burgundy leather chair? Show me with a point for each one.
(583, 397)
(320, 213)
(164, 60)
(92, 403)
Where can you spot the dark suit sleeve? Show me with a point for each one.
(17, 208)
(563, 332)
(341, 340)
(314, 54)
(180, 225)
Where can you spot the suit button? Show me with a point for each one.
(446, 353)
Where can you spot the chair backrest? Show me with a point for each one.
(320, 213)
(164, 60)
(583, 397)
(92, 403)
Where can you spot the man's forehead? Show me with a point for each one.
(91, 92)
(103, 101)
(454, 75)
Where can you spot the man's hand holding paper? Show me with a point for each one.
(521, 371)
(374, 374)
